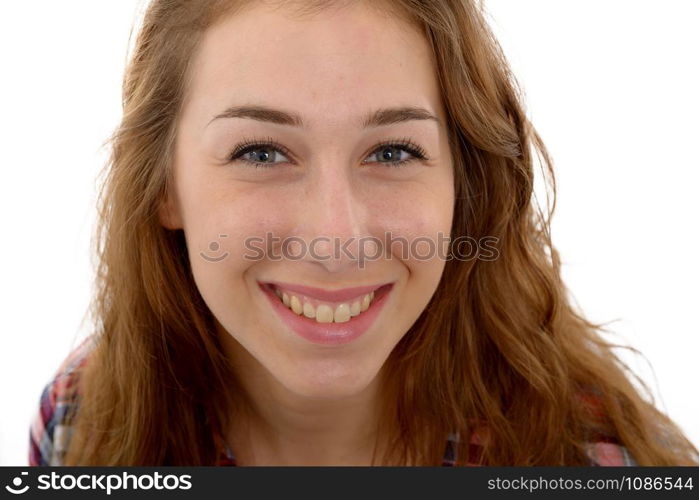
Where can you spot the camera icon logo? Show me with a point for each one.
(17, 483)
(215, 246)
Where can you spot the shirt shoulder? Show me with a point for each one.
(51, 426)
(601, 451)
(609, 453)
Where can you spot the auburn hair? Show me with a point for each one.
(500, 347)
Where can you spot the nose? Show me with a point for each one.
(333, 218)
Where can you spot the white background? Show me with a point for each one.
(611, 85)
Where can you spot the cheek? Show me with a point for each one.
(224, 213)
(418, 219)
(218, 220)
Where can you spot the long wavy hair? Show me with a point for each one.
(500, 345)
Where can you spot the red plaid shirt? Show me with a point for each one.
(51, 429)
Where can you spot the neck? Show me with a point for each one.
(273, 426)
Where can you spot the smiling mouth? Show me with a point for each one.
(327, 311)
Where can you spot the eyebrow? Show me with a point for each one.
(382, 116)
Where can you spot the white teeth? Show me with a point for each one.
(365, 302)
(308, 310)
(296, 304)
(324, 313)
(342, 313)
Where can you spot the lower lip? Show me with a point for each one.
(329, 333)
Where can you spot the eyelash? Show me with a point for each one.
(248, 145)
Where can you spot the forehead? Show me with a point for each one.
(331, 67)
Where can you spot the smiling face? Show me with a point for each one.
(323, 171)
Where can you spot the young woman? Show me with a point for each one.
(256, 303)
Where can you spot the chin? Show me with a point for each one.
(329, 381)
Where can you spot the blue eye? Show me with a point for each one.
(261, 154)
(391, 151)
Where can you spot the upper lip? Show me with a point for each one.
(327, 295)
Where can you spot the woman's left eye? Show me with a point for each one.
(394, 154)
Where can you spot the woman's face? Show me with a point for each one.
(301, 212)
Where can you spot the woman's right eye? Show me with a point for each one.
(259, 155)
